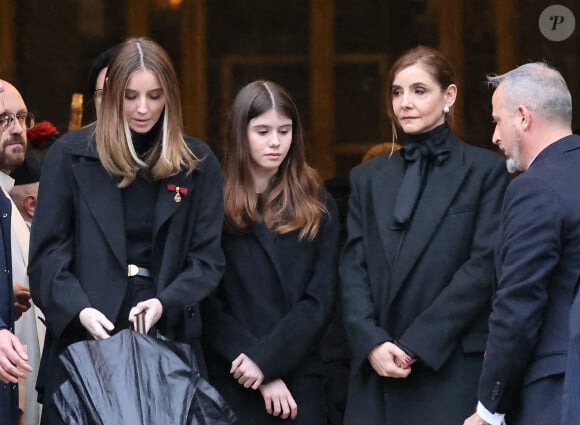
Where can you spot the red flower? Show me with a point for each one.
(42, 134)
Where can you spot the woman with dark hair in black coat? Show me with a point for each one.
(417, 268)
(263, 326)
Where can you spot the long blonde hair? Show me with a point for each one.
(292, 200)
(169, 155)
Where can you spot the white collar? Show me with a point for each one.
(6, 182)
(532, 161)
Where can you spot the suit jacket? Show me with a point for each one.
(428, 286)
(78, 250)
(29, 328)
(8, 392)
(273, 304)
(571, 391)
(538, 270)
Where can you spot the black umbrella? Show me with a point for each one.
(134, 379)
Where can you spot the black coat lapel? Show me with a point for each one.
(6, 290)
(104, 200)
(442, 186)
(385, 184)
(266, 239)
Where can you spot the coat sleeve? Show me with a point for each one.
(54, 288)
(361, 323)
(221, 331)
(435, 332)
(293, 338)
(530, 249)
(205, 259)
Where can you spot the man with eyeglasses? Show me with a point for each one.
(28, 329)
(13, 358)
(13, 140)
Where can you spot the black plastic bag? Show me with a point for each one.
(134, 379)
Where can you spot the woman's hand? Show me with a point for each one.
(390, 361)
(96, 323)
(246, 372)
(279, 400)
(153, 310)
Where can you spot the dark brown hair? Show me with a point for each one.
(291, 202)
(434, 63)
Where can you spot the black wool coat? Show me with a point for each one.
(428, 286)
(274, 304)
(78, 255)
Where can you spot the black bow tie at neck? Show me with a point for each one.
(427, 152)
(419, 156)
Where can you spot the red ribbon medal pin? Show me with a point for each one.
(178, 191)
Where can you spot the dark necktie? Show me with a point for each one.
(419, 158)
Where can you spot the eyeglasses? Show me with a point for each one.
(5, 121)
(25, 119)
(98, 94)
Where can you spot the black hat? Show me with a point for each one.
(102, 61)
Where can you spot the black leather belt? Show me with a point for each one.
(134, 270)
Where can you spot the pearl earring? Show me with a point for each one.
(446, 109)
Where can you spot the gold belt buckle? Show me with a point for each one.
(132, 270)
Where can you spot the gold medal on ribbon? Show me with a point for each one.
(179, 191)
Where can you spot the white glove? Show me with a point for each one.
(96, 323)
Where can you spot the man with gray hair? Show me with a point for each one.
(538, 254)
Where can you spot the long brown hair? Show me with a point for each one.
(169, 155)
(292, 200)
(434, 63)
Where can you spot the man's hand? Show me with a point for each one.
(390, 361)
(13, 358)
(96, 323)
(278, 400)
(21, 300)
(246, 372)
(153, 310)
(475, 419)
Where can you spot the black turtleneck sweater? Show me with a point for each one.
(139, 200)
(437, 135)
